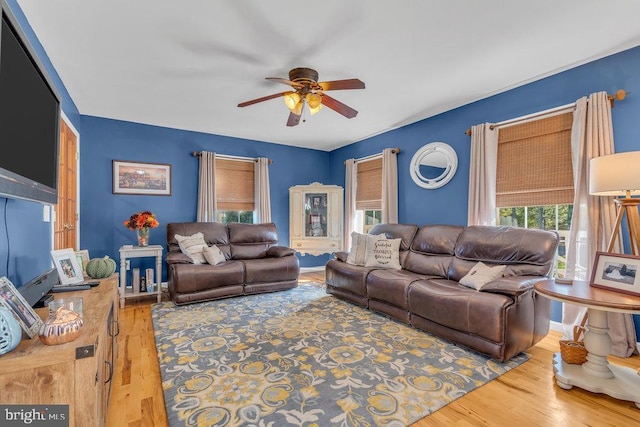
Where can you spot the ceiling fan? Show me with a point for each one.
(307, 89)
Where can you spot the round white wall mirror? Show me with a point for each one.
(433, 165)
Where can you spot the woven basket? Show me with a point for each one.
(573, 351)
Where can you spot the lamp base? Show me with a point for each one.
(630, 206)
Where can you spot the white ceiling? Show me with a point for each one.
(187, 64)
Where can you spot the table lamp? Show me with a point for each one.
(619, 175)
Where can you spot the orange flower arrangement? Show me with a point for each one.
(141, 220)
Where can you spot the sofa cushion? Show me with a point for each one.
(432, 249)
(251, 241)
(406, 232)
(213, 255)
(382, 252)
(215, 233)
(481, 274)
(192, 246)
(524, 251)
(358, 250)
(447, 303)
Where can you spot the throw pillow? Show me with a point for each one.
(192, 246)
(358, 249)
(481, 274)
(213, 255)
(383, 252)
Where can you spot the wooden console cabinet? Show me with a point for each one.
(77, 373)
(315, 218)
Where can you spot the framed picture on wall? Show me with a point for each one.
(152, 179)
(22, 311)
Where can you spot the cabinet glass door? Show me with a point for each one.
(315, 213)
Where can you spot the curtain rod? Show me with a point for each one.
(230, 157)
(373, 156)
(619, 95)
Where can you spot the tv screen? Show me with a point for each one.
(29, 119)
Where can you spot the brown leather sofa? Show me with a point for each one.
(254, 262)
(501, 320)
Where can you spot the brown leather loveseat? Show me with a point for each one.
(254, 263)
(502, 319)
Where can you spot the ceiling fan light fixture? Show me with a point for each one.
(291, 100)
(314, 100)
(297, 110)
(313, 110)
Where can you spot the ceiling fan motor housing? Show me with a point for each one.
(303, 75)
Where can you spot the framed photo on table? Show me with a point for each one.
(69, 269)
(152, 179)
(22, 311)
(616, 272)
(83, 259)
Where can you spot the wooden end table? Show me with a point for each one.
(596, 374)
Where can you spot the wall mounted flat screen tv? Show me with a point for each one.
(29, 119)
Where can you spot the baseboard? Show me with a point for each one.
(557, 326)
(311, 269)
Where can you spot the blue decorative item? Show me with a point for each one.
(10, 331)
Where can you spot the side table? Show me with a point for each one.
(596, 374)
(127, 252)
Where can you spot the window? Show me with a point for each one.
(534, 184)
(235, 191)
(369, 194)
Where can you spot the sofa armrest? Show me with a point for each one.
(512, 285)
(280, 251)
(341, 256)
(178, 258)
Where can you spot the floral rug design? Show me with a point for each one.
(304, 358)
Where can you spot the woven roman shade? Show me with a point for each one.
(369, 186)
(534, 163)
(235, 185)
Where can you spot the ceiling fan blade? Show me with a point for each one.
(264, 98)
(285, 81)
(338, 106)
(342, 84)
(293, 120)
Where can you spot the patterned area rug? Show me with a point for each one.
(304, 358)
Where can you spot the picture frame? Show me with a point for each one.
(616, 272)
(144, 178)
(83, 259)
(68, 267)
(10, 298)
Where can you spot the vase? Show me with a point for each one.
(143, 236)
(10, 331)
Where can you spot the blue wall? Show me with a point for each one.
(103, 213)
(25, 244)
(449, 203)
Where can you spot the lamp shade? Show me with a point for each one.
(291, 100)
(615, 175)
(314, 100)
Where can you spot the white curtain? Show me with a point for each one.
(207, 187)
(389, 186)
(482, 175)
(593, 217)
(350, 182)
(262, 199)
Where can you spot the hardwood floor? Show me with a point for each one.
(525, 396)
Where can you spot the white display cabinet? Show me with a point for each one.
(315, 218)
